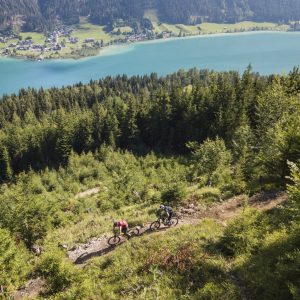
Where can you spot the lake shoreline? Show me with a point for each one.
(107, 49)
(268, 53)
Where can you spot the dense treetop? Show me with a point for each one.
(257, 117)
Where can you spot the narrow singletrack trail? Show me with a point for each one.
(190, 215)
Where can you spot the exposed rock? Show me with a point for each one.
(31, 290)
(63, 246)
(88, 193)
(37, 250)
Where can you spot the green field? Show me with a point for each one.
(87, 30)
(124, 29)
(210, 28)
(38, 38)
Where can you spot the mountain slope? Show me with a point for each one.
(140, 142)
(39, 14)
(20, 14)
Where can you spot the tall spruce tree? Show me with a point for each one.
(5, 167)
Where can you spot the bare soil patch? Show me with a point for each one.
(87, 193)
(31, 290)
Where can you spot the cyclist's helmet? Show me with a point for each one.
(161, 206)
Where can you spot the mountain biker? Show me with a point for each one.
(123, 227)
(165, 211)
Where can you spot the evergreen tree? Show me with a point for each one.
(212, 161)
(5, 164)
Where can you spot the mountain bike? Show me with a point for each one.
(164, 221)
(116, 239)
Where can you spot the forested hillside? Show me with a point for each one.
(42, 14)
(256, 117)
(20, 14)
(191, 138)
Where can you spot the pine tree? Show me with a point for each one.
(5, 167)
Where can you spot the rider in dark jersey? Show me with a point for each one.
(166, 210)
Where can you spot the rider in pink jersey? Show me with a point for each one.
(123, 227)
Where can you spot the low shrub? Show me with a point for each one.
(174, 194)
(61, 275)
(207, 194)
(243, 234)
(13, 262)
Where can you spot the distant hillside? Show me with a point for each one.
(40, 14)
(20, 14)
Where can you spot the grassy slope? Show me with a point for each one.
(161, 266)
(190, 262)
(205, 261)
(196, 262)
(38, 38)
(210, 28)
(86, 30)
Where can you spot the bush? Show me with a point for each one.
(49, 180)
(35, 185)
(274, 271)
(211, 162)
(13, 267)
(293, 209)
(208, 194)
(243, 235)
(60, 274)
(174, 194)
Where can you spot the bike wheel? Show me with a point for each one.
(155, 225)
(173, 222)
(114, 240)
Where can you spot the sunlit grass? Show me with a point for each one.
(38, 38)
(85, 31)
(219, 28)
(124, 29)
(209, 28)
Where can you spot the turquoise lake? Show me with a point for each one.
(268, 52)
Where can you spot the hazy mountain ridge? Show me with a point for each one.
(40, 14)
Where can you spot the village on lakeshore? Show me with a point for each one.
(16, 45)
(88, 39)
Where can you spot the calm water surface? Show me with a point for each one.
(268, 52)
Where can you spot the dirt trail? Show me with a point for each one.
(31, 290)
(189, 215)
(87, 193)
